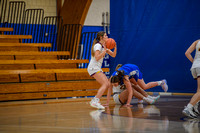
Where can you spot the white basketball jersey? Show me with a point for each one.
(196, 62)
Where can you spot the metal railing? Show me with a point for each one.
(3, 8)
(50, 31)
(15, 16)
(69, 39)
(32, 24)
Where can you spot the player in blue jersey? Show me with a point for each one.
(130, 74)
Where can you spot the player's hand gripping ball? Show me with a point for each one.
(110, 43)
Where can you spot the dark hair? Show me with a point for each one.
(118, 77)
(97, 39)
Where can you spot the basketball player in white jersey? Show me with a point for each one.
(191, 110)
(98, 52)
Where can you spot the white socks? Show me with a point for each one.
(159, 82)
(190, 105)
(149, 97)
(96, 99)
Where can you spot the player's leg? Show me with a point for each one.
(189, 109)
(102, 79)
(152, 84)
(140, 90)
(124, 96)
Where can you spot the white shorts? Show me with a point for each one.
(116, 98)
(195, 72)
(92, 70)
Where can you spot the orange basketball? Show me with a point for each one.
(110, 43)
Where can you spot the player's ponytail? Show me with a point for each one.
(118, 66)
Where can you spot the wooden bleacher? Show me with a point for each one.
(38, 90)
(26, 44)
(13, 38)
(39, 64)
(2, 30)
(41, 61)
(21, 76)
(28, 73)
(24, 53)
(23, 46)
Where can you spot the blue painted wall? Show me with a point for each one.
(154, 34)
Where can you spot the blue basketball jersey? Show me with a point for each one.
(131, 70)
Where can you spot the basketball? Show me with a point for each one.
(110, 43)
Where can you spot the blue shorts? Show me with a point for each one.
(136, 76)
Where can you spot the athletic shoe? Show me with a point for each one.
(191, 125)
(155, 98)
(152, 110)
(195, 109)
(95, 103)
(149, 100)
(96, 114)
(189, 112)
(140, 101)
(164, 85)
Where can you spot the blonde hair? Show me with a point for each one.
(118, 66)
(97, 39)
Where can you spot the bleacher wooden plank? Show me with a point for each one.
(73, 76)
(37, 66)
(6, 57)
(43, 71)
(16, 48)
(3, 62)
(16, 67)
(48, 86)
(35, 53)
(54, 77)
(26, 44)
(44, 95)
(45, 75)
(56, 66)
(36, 57)
(4, 40)
(15, 36)
(23, 91)
(37, 77)
(5, 29)
(9, 78)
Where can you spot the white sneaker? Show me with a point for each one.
(155, 98)
(189, 112)
(140, 101)
(96, 114)
(149, 100)
(196, 111)
(95, 103)
(191, 125)
(164, 85)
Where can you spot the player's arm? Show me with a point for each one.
(190, 50)
(114, 53)
(98, 55)
(129, 88)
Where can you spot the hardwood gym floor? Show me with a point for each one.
(75, 115)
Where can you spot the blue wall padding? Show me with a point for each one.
(154, 34)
